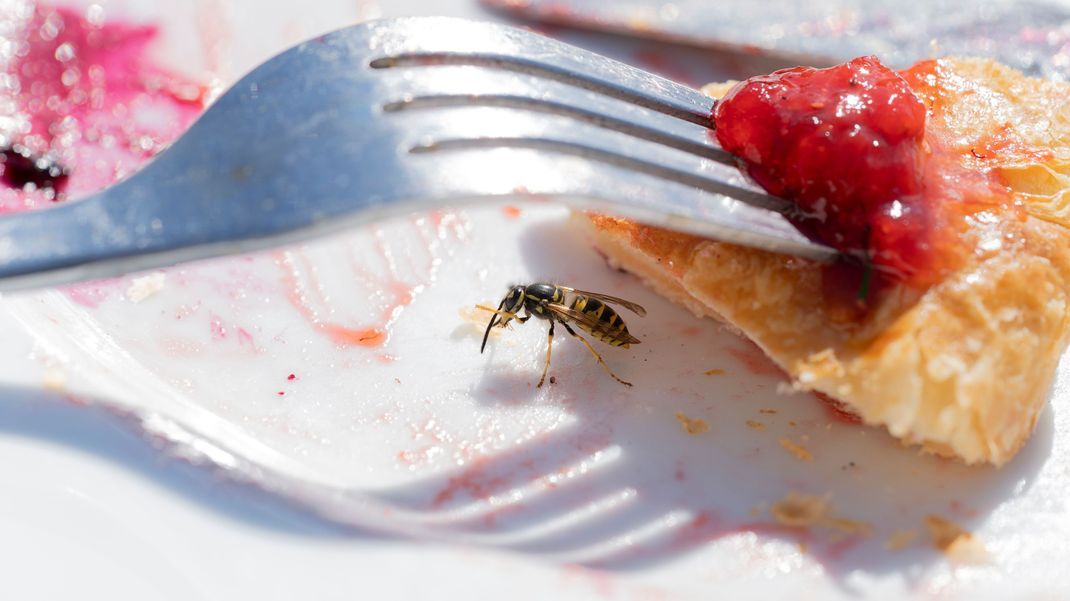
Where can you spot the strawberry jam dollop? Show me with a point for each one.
(851, 146)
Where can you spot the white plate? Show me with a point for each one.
(418, 435)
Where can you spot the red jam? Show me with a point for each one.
(850, 145)
(21, 169)
(81, 103)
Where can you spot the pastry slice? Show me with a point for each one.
(946, 187)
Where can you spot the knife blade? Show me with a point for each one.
(1030, 35)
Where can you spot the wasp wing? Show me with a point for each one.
(629, 305)
(590, 322)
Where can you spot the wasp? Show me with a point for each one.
(589, 311)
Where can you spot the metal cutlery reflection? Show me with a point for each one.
(395, 116)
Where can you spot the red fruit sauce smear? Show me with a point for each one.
(872, 175)
(81, 106)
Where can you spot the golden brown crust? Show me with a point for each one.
(962, 368)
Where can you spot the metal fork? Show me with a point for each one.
(396, 116)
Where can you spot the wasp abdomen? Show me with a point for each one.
(609, 327)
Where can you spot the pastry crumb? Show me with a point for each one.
(956, 542)
(799, 451)
(822, 364)
(900, 539)
(802, 511)
(715, 372)
(694, 427)
(145, 287)
(54, 379)
(718, 89)
(475, 320)
(786, 389)
(943, 532)
(755, 425)
(799, 511)
(847, 526)
(474, 314)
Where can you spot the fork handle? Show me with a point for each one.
(155, 220)
(122, 229)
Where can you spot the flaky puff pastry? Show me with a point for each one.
(962, 368)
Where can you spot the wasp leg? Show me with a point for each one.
(549, 349)
(593, 352)
(496, 312)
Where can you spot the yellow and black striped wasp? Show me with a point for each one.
(589, 311)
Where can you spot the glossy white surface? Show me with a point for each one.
(468, 481)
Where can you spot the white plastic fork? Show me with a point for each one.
(396, 116)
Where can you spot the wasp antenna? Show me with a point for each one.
(493, 318)
(486, 334)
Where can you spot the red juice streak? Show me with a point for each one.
(90, 294)
(218, 329)
(474, 482)
(298, 294)
(245, 339)
(838, 410)
(221, 331)
(388, 284)
(958, 508)
(601, 582)
(755, 362)
(506, 471)
(418, 457)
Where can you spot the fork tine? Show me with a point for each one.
(543, 105)
(594, 73)
(476, 104)
(582, 125)
(516, 116)
(464, 87)
(517, 51)
(695, 112)
(652, 200)
(604, 155)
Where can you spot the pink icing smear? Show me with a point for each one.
(78, 92)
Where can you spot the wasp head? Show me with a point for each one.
(507, 310)
(511, 304)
